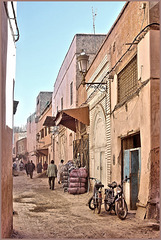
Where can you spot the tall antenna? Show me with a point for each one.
(94, 16)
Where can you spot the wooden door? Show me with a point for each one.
(132, 169)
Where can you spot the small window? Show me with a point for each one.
(48, 130)
(45, 131)
(70, 139)
(42, 133)
(62, 103)
(37, 136)
(127, 80)
(71, 93)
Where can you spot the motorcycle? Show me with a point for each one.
(95, 201)
(109, 199)
(116, 201)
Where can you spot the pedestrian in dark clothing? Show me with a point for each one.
(45, 166)
(52, 174)
(26, 168)
(39, 167)
(31, 168)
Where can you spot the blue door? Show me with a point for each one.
(132, 169)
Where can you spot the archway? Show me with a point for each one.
(98, 145)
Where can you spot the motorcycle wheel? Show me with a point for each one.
(99, 207)
(107, 205)
(91, 203)
(121, 212)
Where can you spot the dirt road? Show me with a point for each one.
(42, 213)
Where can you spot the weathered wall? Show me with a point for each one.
(6, 184)
(21, 146)
(45, 141)
(11, 68)
(91, 44)
(123, 31)
(41, 101)
(141, 112)
(6, 139)
(154, 182)
(31, 137)
(99, 130)
(69, 73)
(66, 75)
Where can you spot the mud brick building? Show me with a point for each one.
(44, 150)
(39, 139)
(68, 116)
(125, 119)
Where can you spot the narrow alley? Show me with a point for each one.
(42, 213)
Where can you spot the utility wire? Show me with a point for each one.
(135, 39)
(143, 20)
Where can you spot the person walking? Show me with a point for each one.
(31, 168)
(26, 168)
(45, 166)
(39, 167)
(52, 174)
(60, 170)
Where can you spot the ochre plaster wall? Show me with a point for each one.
(46, 141)
(6, 141)
(123, 31)
(154, 181)
(7, 184)
(31, 139)
(141, 113)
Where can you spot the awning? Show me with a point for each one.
(43, 151)
(49, 121)
(15, 104)
(68, 117)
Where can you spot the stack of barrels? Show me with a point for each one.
(78, 181)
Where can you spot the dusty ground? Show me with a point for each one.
(42, 213)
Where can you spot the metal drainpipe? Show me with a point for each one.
(9, 19)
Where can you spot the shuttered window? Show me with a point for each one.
(127, 80)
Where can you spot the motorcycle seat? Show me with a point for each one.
(99, 185)
(112, 185)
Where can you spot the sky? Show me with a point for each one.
(46, 32)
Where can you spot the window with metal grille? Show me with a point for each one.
(127, 80)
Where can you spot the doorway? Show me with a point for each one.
(102, 166)
(82, 146)
(131, 167)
